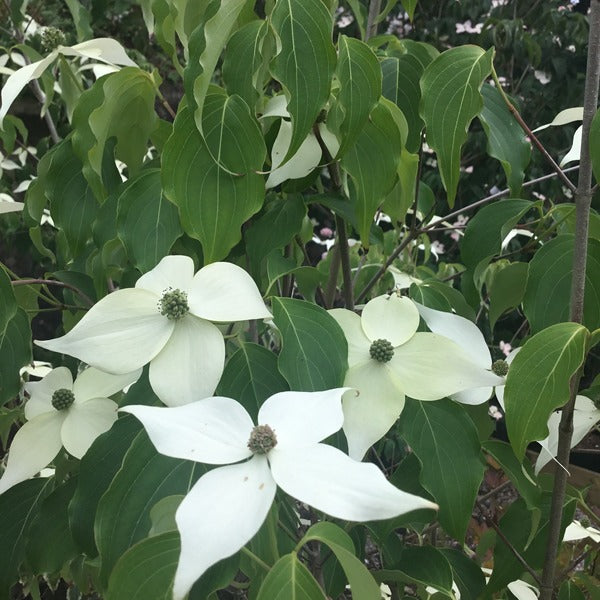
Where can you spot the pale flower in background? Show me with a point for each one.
(505, 347)
(166, 320)
(388, 359)
(60, 413)
(284, 450)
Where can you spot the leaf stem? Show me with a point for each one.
(583, 198)
(259, 561)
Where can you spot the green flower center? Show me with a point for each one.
(500, 367)
(262, 439)
(174, 304)
(381, 351)
(52, 38)
(62, 399)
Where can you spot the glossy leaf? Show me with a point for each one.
(314, 349)
(305, 62)
(123, 515)
(569, 591)
(361, 582)
(595, 145)
(212, 203)
(446, 442)
(451, 99)
(251, 376)
(401, 76)
(547, 294)
(120, 105)
(466, 573)
(18, 507)
(289, 579)
(147, 223)
(440, 296)
(359, 75)
(98, 467)
(50, 543)
(372, 163)
(538, 381)
(506, 290)
(8, 304)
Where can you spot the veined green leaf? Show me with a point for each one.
(314, 353)
(8, 306)
(120, 105)
(148, 224)
(467, 574)
(212, 203)
(595, 145)
(446, 442)
(361, 582)
(546, 300)
(359, 75)
(506, 139)
(305, 62)
(450, 100)
(372, 163)
(506, 290)
(289, 579)
(538, 381)
(15, 350)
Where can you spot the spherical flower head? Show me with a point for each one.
(52, 38)
(262, 439)
(381, 350)
(500, 368)
(174, 304)
(62, 399)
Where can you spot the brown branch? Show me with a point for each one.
(62, 284)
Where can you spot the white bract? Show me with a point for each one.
(103, 49)
(227, 506)
(165, 320)
(60, 413)
(388, 359)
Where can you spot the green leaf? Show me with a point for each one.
(409, 6)
(372, 163)
(361, 582)
(451, 99)
(274, 229)
(8, 305)
(440, 296)
(421, 564)
(120, 105)
(359, 75)
(314, 353)
(488, 228)
(446, 442)
(123, 515)
(147, 223)
(289, 579)
(521, 475)
(162, 514)
(506, 140)
(146, 570)
(220, 202)
(251, 376)
(402, 196)
(81, 18)
(548, 291)
(15, 350)
(466, 573)
(506, 290)
(50, 543)
(401, 76)
(244, 65)
(305, 62)
(538, 381)
(98, 467)
(18, 507)
(595, 145)
(569, 591)
(205, 46)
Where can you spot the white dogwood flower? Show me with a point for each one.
(60, 413)
(388, 359)
(166, 320)
(228, 505)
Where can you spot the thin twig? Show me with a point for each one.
(576, 561)
(62, 284)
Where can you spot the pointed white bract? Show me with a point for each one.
(75, 427)
(424, 366)
(134, 326)
(229, 504)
